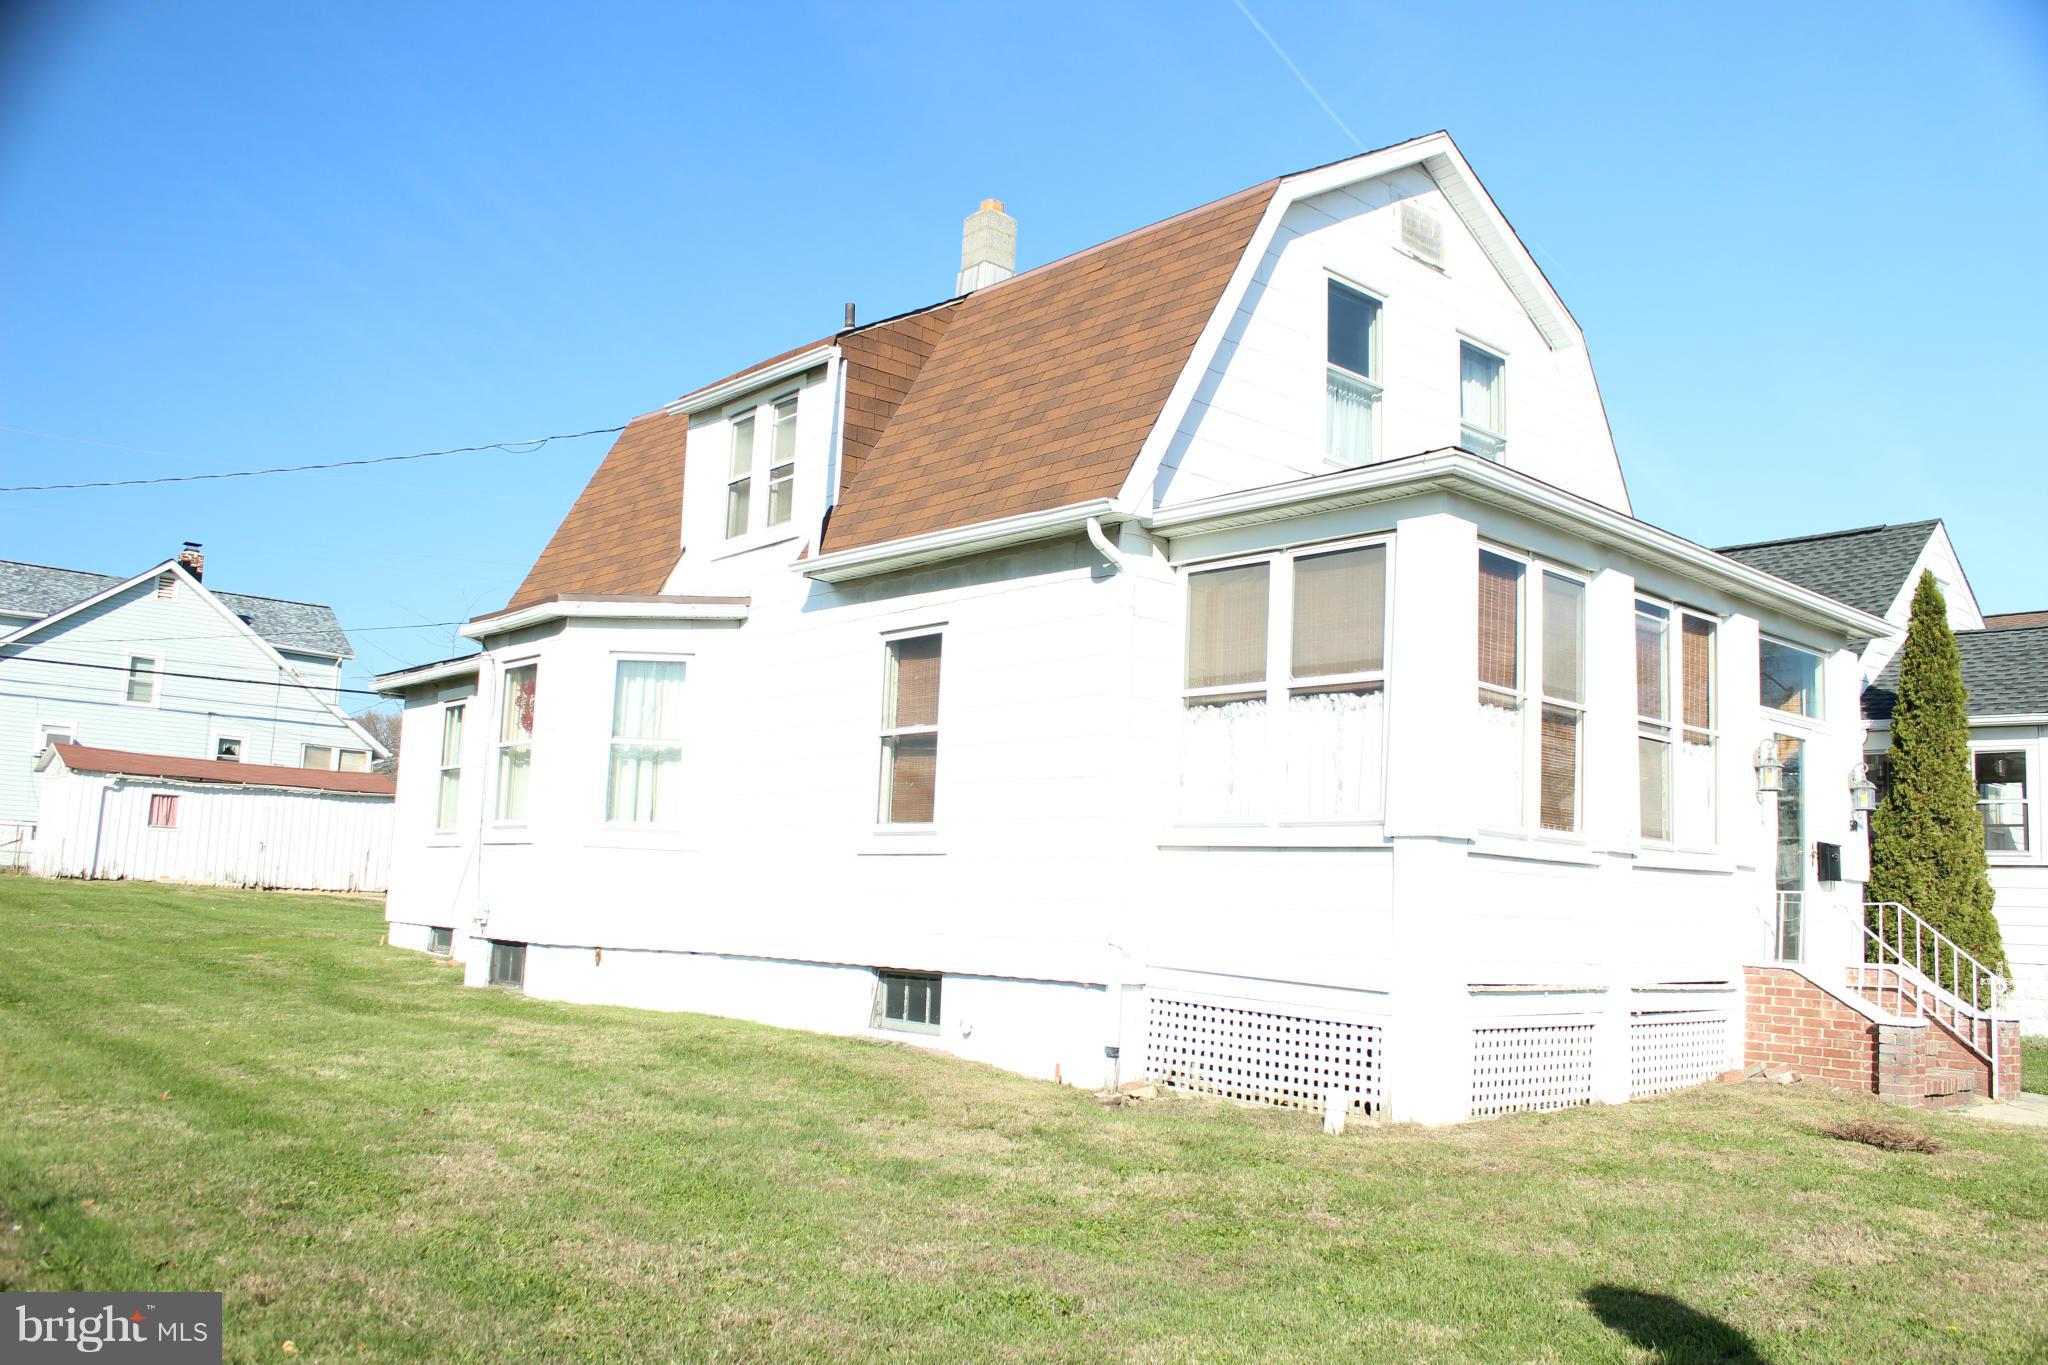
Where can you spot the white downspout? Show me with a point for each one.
(1102, 543)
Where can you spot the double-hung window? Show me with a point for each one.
(739, 484)
(1482, 401)
(2002, 799)
(782, 462)
(644, 782)
(1653, 720)
(1529, 664)
(1264, 740)
(448, 797)
(515, 741)
(1675, 724)
(1352, 380)
(55, 732)
(910, 730)
(143, 679)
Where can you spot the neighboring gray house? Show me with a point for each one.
(2005, 668)
(160, 663)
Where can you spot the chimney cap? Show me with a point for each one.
(995, 204)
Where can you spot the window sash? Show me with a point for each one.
(163, 811)
(782, 462)
(320, 756)
(1482, 398)
(908, 1000)
(2003, 799)
(142, 679)
(739, 484)
(227, 749)
(908, 783)
(1541, 633)
(1788, 679)
(448, 793)
(516, 714)
(645, 752)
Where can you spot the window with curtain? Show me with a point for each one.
(1653, 720)
(1352, 380)
(644, 779)
(447, 800)
(1262, 742)
(163, 812)
(739, 483)
(515, 740)
(910, 730)
(1564, 701)
(2002, 799)
(1788, 678)
(352, 761)
(1498, 783)
(142, 680)
(782, 462)
(1482, 401)
(1694, 800)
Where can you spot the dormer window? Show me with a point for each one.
(1352, 388)
(1482, 401)
(782, 466)
(739, 486)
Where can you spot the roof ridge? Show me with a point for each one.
(58, 568)
(1832, 535)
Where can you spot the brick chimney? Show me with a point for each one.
(988, 247)
(192, 560)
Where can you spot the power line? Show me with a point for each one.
(199, 677)
(1281, 53)
(509, 447)
(236, 635)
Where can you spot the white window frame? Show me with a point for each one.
(175, 809)
(41, 735)
(1664, 731)
(781, 476)
(443, 770)
(1280, 682)
(306, 762)
(1370, 387)
(612, 741)
(240, 741)
(499, 744)
(2028, 804)
(881, 1019)
(1529, 694)
(1490, 444)
(156, 680)
(335, 750)
(889, 732)
(1795, 719)
(739, 481)
(1711, 732)
(369, 761)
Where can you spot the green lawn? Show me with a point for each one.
(243, 1092)
(2034, 1065)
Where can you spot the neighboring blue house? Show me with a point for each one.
(160, 663)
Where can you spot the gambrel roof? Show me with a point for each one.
(38, 590)
(1043, 391)
(1865, 567)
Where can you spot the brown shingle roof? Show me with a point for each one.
(1044, 387)
(81, 758)
(626, 529)
(2005, 619)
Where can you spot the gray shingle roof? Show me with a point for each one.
(1865, 567)
(39, 590)
(2006, 671)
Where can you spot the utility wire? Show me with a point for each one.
(200, 677)
(509, 447)
(1281, 53)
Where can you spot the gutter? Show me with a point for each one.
(608, 608)
(953, 542)
(391, 684)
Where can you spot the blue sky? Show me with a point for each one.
(1803, 242)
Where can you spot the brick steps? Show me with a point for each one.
(1948, 1089)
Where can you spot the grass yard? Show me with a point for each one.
(242, 1092)
(2034, 1065)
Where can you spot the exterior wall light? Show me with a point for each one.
(1862, 795)
(1770, 769)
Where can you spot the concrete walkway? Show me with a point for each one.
(2028, 1110)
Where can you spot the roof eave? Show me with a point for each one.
(953, 542)
(608, 607)
(725, 390)
(392, 684)
(1461, 472)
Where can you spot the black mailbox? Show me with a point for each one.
(1827, 862)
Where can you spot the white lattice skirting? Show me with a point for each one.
(1669, 1051)
(1262, 1054)
(1523, 1067)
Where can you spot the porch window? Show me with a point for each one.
(1694, 794)
(908, 1001)
(1352, 388)
(1507, 748)
(1303, 742)
(142, 679)
(782, 463)
(1482, 401)
(739, 485)
(515, 740)
(1501, 698)
(2002, 799)
(1788, 679)
(448, 797)
(646, 745)
(910, 730)
(1564, 700)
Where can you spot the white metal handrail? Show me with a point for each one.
(1931, 971)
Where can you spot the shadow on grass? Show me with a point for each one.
(1678, 1334)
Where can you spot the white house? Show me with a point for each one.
(162, 663)
(1225, 654)
(2005, 669)
(109, 815)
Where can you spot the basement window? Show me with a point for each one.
(441, 942)
(907, 1001)
(508, 965)
(163, 812)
